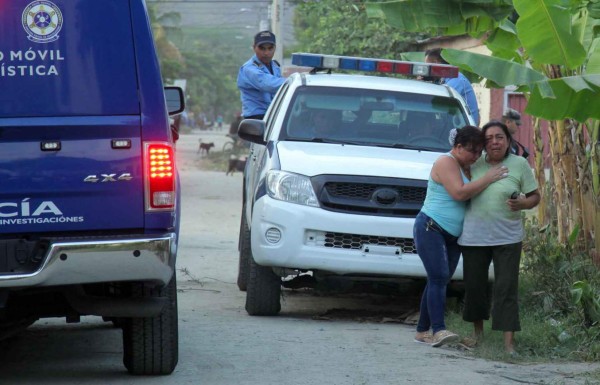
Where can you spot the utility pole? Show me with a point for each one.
(277, 27)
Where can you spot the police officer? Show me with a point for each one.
(461, 84)
(260, 77)
(512, 120)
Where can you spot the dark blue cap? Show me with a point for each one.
(264, 37)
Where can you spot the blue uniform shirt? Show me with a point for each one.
(258, 86)
(462, 85)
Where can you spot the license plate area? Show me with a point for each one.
(379, 250)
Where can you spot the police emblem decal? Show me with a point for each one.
(42, 20)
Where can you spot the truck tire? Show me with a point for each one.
(263, 291)
(151, 345)
(245, 255)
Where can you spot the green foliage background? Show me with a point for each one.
(342, 27)
(206, 58)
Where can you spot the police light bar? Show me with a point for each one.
(329, 62)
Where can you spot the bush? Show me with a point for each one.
(560, 279)
(559, 292)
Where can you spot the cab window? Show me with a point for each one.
(372, 117)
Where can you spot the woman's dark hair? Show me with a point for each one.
(469, 137)
(497, 123)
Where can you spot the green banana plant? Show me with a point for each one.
(559, 33)
(582, 294)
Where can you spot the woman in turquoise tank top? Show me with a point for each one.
(439, 224)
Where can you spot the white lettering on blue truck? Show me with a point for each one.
(28, 69)
(23, 209)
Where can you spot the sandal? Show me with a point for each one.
(444, 337)
(469, 342)
(424, 337)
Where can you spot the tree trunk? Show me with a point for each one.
(543, 209)
(587, 143)
(574, 184)
(595, 190)
(567, 193)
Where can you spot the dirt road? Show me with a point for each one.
(221, 345)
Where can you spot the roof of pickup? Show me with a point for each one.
(372, 82)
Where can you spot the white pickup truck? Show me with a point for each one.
(341, 199)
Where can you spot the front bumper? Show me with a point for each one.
(105, 260)
(301, 245)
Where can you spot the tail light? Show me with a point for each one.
(159, 176)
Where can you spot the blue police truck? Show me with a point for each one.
(89, 192)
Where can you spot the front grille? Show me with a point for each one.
(365, 191)
(357, 241)
(381, 196)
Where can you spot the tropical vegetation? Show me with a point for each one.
(341, 27)
(210, 86)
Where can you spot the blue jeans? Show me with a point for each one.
(439, 252)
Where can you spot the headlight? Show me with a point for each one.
(293, 188)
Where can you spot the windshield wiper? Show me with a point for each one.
(405, 146)
(338, 141)
(399, 145)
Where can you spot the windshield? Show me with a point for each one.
(372, 117)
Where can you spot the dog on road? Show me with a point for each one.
(205, 147)
(236, 164)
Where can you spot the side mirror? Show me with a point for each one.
(252, 130)
(175, 100)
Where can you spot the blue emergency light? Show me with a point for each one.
(328, 62)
